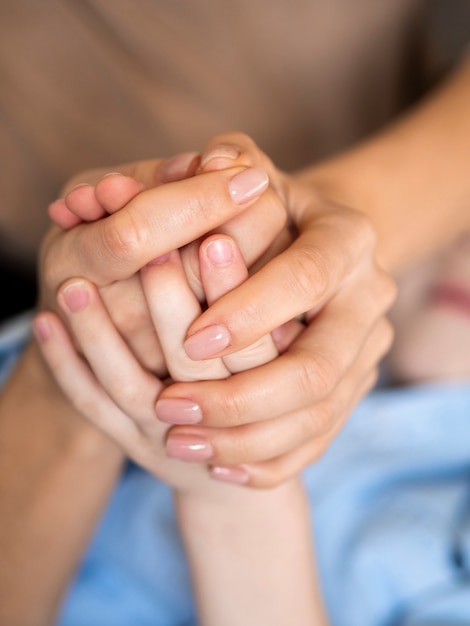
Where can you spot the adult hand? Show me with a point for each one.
(277, 418)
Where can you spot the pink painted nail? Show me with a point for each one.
(248, 184)
(188, 448)
(178, 411)
(207, 342)
(233, 474)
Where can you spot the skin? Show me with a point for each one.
(400, 218)
(298, 429)
(206, 510)
(432, 314)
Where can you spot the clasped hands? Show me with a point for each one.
(272, 393)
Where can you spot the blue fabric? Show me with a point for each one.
(390, 506)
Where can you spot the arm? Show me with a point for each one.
(57, 472)
(250, 553)
(411, 179)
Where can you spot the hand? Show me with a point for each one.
(110, 251)
(120, 400)
(276, 419)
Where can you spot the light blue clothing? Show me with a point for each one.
(391, 519)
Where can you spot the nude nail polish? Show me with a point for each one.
(178, 411)
(188, 448)
(248, 184)
(207, 342)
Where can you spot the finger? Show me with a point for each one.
(223, 269)
(262, 441)
(155, 222)
(89, 203)
(131, 387)
(173, 306)
(61, 216)
(76, 379)
(115, 190)
(310, 368)
(82, 202)
(305, 276)
(149, 172)
(237, 147)
(276, 471)
(128, 308)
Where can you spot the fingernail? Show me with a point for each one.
(159, 260)
(248, 184)
(220, 252)
(219, 152)
(178, 167)
(78, 186)
(75, 297)
(236, 475)
(113, 174)
(188, 448)
(178, 411)
(41, 329)
(207, 342)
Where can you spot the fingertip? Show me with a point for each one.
(115, 190)
(61, 216)
(41, 328)
(82, 201)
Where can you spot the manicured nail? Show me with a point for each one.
(207, 342)
(220, 252)
(248, 184)
(233, 474)
(219, 152)
(75, 297)
(178, 167)
(188, 448)
(178, 411)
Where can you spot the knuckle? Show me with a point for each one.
(319, 421)
(309, 275)
(122, 239)
(236, 449)
(129, 394)
(317, 375)
(228, 408)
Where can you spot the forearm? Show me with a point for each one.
(412, 178)
(251, 556)
(56, 474)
